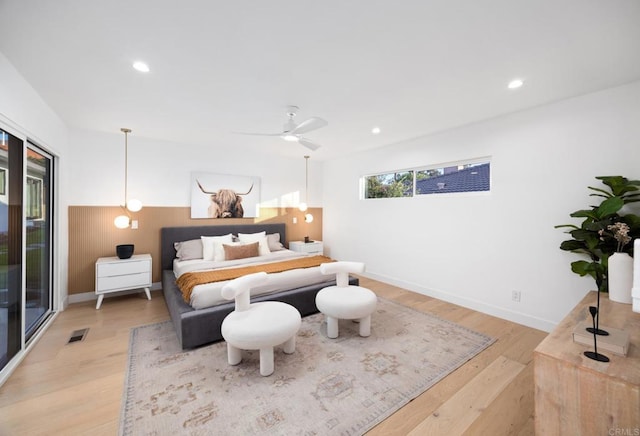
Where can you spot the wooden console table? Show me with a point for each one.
(577, 395)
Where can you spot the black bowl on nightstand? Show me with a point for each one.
(124, 251)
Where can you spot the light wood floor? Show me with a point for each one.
(76, 389)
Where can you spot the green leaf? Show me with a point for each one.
(631, 220)
(609, 207)
(592, 243)
(583, 268)
(590, 213)
(606, 193)
(573, 226)
(599, 195)
(596, 226)
(584, 235)
(572, 245)
(613, 182)
(619, 185)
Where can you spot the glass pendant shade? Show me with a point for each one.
(302, 206)
(134, 205)
(308, 218)
(121, 221)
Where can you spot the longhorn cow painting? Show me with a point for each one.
(224, 196)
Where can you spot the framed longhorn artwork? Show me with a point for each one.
(224, 196)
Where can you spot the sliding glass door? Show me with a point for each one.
(26, 174)
(38, 239)
(11, 302)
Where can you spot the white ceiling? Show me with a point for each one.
(410, 67)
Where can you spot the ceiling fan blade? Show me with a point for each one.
(312, 123)
(310, 145)
(258, 134)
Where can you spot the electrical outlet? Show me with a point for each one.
(134, 224)
(515, 296)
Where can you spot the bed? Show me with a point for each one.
(196, 327)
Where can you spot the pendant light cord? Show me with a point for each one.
(306, 180)
(126, 154)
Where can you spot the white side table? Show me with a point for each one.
(315, 247)
(114, 275)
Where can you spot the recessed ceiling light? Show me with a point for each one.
(515, 84)
(375, 130)
(141, 66)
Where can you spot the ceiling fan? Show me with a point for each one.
(292, 132)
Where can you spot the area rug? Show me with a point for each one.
(328, 386)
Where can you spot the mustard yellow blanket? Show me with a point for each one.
(187, 281)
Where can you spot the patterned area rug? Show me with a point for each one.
(328, 386)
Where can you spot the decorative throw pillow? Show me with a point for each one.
(187, 250)
(273, 240)
(260, 237)
(243, 251)
(212, 246)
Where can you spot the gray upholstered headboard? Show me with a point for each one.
(169, 235)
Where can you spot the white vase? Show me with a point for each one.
(620, 277)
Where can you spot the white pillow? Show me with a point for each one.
(260, 237)
(212, 248)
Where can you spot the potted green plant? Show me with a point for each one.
(593, 238)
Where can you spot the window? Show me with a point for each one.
(389, 185)
(467, 176)
(470, 177)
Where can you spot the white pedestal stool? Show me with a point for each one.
(257, 326)
(345, 301)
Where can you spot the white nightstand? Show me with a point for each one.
(114, 274)
(314, 247)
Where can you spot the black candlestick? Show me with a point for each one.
(595, 329)
(593, 310)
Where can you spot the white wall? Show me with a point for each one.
(474, 250)
(24, 114)
(160, 171)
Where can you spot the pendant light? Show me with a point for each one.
(133, 205)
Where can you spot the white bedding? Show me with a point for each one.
(209, 294)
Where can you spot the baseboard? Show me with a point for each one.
(91, 296)
(489, 309)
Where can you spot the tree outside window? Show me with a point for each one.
(389, 185)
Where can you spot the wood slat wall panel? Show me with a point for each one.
(93, 235)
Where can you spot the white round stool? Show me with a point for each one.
(344, 301)
(257, 326)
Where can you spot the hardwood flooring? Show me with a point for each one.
(76, 389)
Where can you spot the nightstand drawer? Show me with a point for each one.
(122, 268)
(129, 281)
(315, 247)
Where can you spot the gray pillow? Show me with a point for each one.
(188, 250)
(274, 242)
